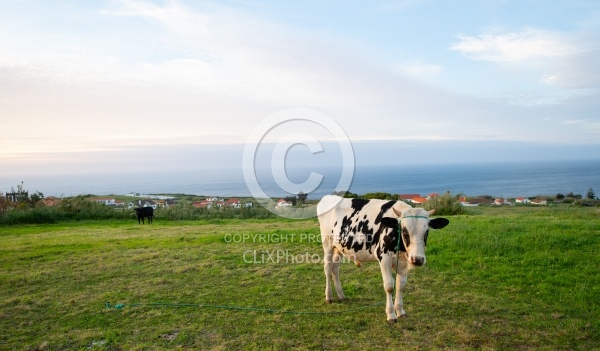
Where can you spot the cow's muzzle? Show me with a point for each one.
(417, 260)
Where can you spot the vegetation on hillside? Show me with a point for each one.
(20, 207)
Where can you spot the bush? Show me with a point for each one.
(445, 205)
(380, 196)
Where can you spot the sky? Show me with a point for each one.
(88, 84)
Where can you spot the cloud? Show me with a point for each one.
(565, 60)
(172, 14)
(576, 72)
(515, 46)
(420, 70)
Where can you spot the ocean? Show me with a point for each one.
(509, 179)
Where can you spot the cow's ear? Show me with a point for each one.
(389, 222)
(438, 223)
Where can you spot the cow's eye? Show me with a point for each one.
(406, 237)
(425, 238)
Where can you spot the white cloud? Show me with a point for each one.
(564, 60)
(172, 14)
(515, 46)
(420, 70)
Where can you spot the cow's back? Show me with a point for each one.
(336, 207)
(352, 225)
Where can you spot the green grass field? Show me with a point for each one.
(498, 279)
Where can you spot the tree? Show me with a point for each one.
(560, 196)
(291, 199)
(345, 194)
(380, 196)
(590, 194)
(302, 197)
(3, 205)
(22, 197)
(36, 197)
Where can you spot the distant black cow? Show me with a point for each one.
(142, 212)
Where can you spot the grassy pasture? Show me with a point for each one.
(499, 279)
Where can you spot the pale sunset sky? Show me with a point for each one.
(96, 80)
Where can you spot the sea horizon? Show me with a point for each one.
(499, 179)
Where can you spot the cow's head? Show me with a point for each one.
(413, 225)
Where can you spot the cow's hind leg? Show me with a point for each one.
(328, 266)
(337, 258)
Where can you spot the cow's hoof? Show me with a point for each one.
(404, 315)
(329, 301)
(392, 321)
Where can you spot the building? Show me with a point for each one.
(413, 198)
(235, 203)
(203, 204)
(108, 201)
(283, 203)
(143, 203)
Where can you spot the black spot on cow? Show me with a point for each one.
(144, 212)
(389, 222)
(358, 204)
(390, 241)
(384, 208)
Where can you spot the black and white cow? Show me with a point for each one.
(369, 230)
(143, 212)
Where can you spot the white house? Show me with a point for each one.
(142, 203)
(463, 201)
(283, 203)
(108, 201)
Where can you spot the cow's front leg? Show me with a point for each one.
(388, 286)
(398, 305)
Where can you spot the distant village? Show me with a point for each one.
(155, 202)
(135, 200)
(217, 202)
(417, 199)
(166, 201)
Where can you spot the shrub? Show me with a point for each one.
(445, 205)
(381, 196)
